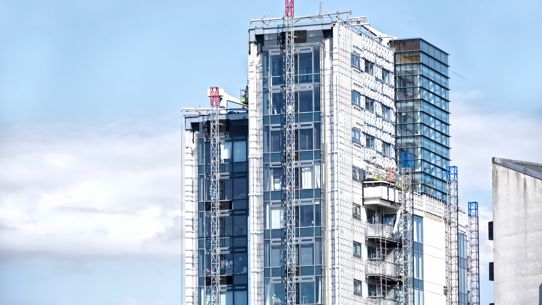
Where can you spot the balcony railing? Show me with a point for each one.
(381, 268)
(380, 230)
(380, 193)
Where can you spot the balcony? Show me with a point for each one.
(378, 296)
(380, 193)
(382, 269)
(380, 230)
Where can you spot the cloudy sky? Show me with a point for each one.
(90, 93)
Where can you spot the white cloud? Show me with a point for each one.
(99, 189)
(479, 133)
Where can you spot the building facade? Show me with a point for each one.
(347, 205)
(422, 101)
(517, 232)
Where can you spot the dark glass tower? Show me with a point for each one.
(233, 205)
(422, 102)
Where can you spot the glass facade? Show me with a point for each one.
(233, 212)
(422, 101)
(308, 170)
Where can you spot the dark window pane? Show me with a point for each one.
(305, 101)
(305, 139)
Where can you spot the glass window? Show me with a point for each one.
(306, 216)
(386, 113)
(240, 151)
(277, 103)
(276, 140)
(276, 218)
(225, 151)
(240, 225)
(275, 256)
(357, 249)
(369, 105)
(418, 228)
(240, 297)
(306, 255)
(356, 211)
(305, 139)
(357, 173)
(387, 151)
(356, 61)
(276, 179)
(356, 135)
(306, 293)
(240, 263)
(226, 297)
(305, 101)
(386, 76)
(357, 287)
(239, 188)
(356, 98)
(305, 63)
(369, 67)
(306, 177)
(369, 141)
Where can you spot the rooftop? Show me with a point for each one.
(528, 168)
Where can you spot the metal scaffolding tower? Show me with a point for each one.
(288, 240)
(214, 135)
(452, 234)
(406, 229)
(474, 254)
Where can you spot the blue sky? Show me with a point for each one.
(91, 90)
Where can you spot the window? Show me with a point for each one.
(276, 218)
(356, 211)
(357, 249)
(369, 141)
(356, 98)
(276, 179)
(277, 102)
(369, 67)
(276, 141)
(357, 173)
(305, 139)
(357, 287)
(356, 61)
(305, 101)
(356, 135)
(387, 150)
(306, 254)
(306, 173)
(386, 113)
(386, 76)
(240, 151)
(306, 216)
(225, 151)
(369, 105)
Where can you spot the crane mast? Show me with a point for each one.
(474, 254)
(406, 229)
(452, 233)
(288, 203)
(214, 135)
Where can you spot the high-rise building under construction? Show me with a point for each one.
(354, 240)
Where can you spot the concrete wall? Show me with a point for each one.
(517, 245)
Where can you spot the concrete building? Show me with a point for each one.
(517, 232)
(348, 242)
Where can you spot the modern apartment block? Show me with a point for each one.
(347, 205)
(422, 101)
(517, 232)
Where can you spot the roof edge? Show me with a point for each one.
(528, 168)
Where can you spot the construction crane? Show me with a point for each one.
(474, 254)
(406, 258)
(214, 135)
(452, 233)
(288, 203)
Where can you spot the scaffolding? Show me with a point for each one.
(288, 240)
(452, 234)
(406, 232)
(214, 135)
(474, 254)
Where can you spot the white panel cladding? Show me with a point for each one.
(255, 163)
(189, 206)
(344, 116)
